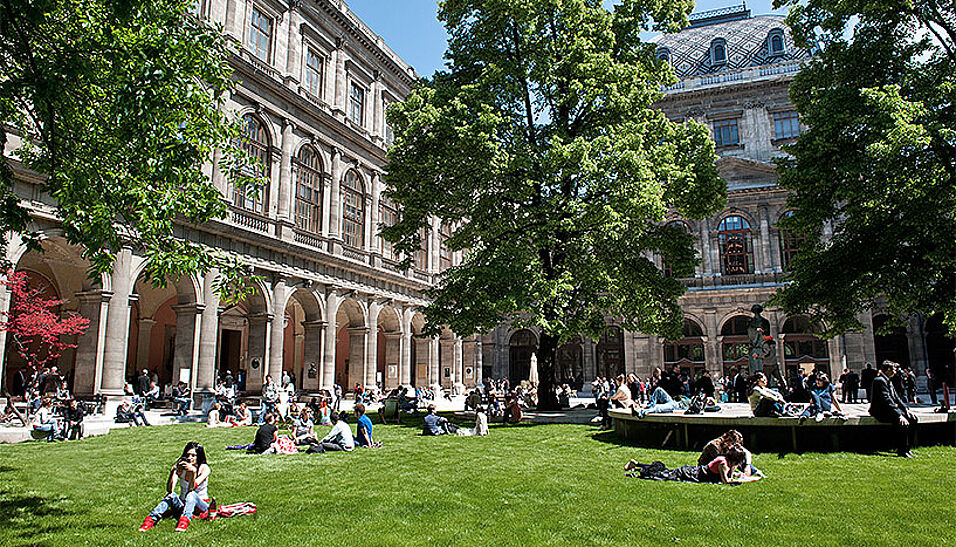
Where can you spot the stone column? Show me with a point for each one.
(707, 262)
(479, 362)
(186, 354)
(341, 80)
(372, 242)
(405, 364)
(327, 370)
(257, 351)
(393, 355)
(326, 204)
(294, 55)
(916, 338)
(371, 354)
(233, 20)
(446, 354)
(117, 325)
(142, 345)
(434, 247)
(358, 350)
(766, 264)
(367, 244)
(375, 93)
(285, 171)
(335, 209)
(277, 338)
(458, 366)
(434, 367)
(93, 305)
(331, 78)
(208, 335)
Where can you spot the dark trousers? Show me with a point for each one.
(602, 405)
(767, 408)
(905, 435)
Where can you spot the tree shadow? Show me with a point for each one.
(38, 511)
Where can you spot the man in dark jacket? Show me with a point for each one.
(888, 407)
(852, 385)
(142, 383)
(740, 386)
(705, 384)
(867, 379)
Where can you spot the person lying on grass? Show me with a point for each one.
(721, 445)
(720, 470)
(192, 472)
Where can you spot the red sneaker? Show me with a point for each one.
(203, 515)
(183, 524)
(148, 523)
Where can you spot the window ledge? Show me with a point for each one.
(738, 146)
(777, 141)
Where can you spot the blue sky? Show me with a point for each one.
(411, 29)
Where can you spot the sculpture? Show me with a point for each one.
(762, 345)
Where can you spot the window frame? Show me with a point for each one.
(261, 150)
(353, 210)
(714, 44)
(732, 128)
(740, 234)
(308, 209)
(353, 87)
(386, 209)
(317, 72)
(786, 124)
(255, 33)
(778, 34)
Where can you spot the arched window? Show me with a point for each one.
(682, 227)
(688, 352)
(775, 43)
(790, 243)
(664, 54)
(802, 346)
(308, 191)
(420, 258)
(736, 246)
(353, 210)
(387, 216)
(255, 141)
(444, 253)
(735, 346)
(718, 52)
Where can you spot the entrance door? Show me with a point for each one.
(230, 348)
(523, 344)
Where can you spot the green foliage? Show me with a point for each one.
(878, 163)
(525, 485)
(541, 146)
(119, 105)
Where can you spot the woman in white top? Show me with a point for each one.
(622, 397)
(340, 438)
(192, 473)
(303, 430)
(44, 421)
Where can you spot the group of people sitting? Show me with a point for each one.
(340, 438)
(722, 460)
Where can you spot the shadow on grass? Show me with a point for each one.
(15, 509)
(417, 422)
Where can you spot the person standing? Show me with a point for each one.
(853, 385)
(867, 377)
(705, 384)
(888, 407)
(845, 397)
(931, 385)
(142, 383)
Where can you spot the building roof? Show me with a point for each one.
(747, 42)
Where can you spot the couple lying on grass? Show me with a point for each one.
(723, 460)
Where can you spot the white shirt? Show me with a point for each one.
(341, 433)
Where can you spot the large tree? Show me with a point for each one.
(878, 163)
(118, 104)
(540, 145)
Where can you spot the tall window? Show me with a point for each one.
(786, 125)
(420, 258)
(353, 210)
(255, 141)
(735, 345)
(387, 216)
(260, 35)
(775, 42)
(314, 70)
(308, 191)
(736, 246)
(725, 132)
(790, 243)
(681, 227)
(357, 104)
(688, 352)
(389, 133)
(444, 253)
(718, 51)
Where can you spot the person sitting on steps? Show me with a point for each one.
(765, 402)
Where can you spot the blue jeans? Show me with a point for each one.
(660, 402)
(266, 407)
(183, 405)
(173, 505)
(817, 405)
(50, 427)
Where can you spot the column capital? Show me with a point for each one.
(314, 324)
(191, 307)
(259, 318)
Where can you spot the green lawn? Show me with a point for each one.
(533, 484)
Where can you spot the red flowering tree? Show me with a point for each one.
(34, 322)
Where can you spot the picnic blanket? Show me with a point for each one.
(235, 510)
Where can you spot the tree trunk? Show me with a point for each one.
(547, 352)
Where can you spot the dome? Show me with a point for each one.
(716, 44)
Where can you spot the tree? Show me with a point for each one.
(119, 105)
(35, 324)
(878, 162)
(540, 145)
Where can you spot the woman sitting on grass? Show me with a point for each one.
(720, 470)
(192, 473)
(242, 417)
(303, 430)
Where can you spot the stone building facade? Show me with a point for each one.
(332, 305)
(734, 71)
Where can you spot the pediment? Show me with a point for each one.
(746, 173)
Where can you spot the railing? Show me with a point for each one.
(354, 254)
(422, 276)
(747, 74)
(259, 64)
(767, 279)
(392, 266)
(306, 238)
(248, 219)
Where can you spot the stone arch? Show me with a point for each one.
(389, 340)
(243, 330)
(802, 345)
(302, 335)
(420, 350)
(687, 352)
(351, 322)
(522, 343)
(893, 345)
(262, 117)
(734, 343)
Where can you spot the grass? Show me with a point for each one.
(524, 485)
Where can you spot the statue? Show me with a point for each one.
(762, 345)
